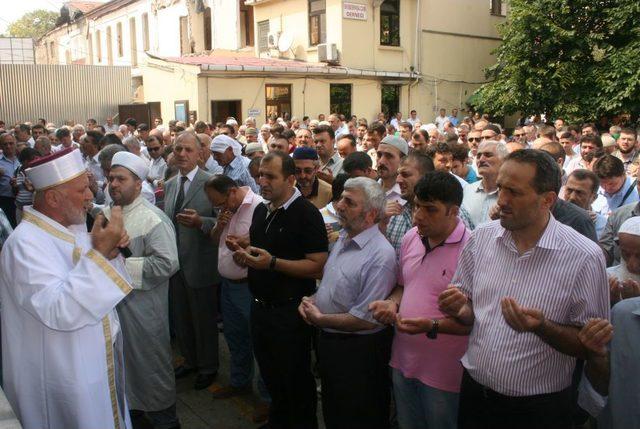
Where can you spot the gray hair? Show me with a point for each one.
(106, 154)
(374, 198)
(501, 149)
(131, 141)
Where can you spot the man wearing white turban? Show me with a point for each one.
(144, 314)
(234, 166)
(624, 279)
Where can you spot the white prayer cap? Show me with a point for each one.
(252, 148)
(232, 122)
(630, 226)
(221, 143)
(56, 169)
(324, 123)
(131, 162)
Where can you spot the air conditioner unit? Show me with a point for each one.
(328, 53)
(273, 38)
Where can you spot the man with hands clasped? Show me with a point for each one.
(525, 313)
(353, 350)
(426, 372)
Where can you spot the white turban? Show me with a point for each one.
(131, 162)
(231, 122)
(221, 142)
(630, 226)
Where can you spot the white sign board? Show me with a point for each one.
(254, 112)
(354, 11)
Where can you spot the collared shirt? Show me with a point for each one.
(393, 194)
(611, 202)
(239, 172)
(631, 162)
(321, 193)
(424, 275)
(113, 128)
(454, 121)
(477, 203)
(157, 168)
(359, 270)
(93, 165)
(608, 240)
(8, 168)
(413, 121)
(490, 268)
(575, 164)
(398, 227)
(238, 226)
(190, 176)
(334, 164)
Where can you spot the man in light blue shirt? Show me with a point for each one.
(8, 165)
(615, 186)
(234, 166)
(354, 349)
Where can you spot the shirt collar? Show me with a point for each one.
(457, 234)
(131, 207)
(285, 206)
(2, 156)
(364, 237)
(481, 189)
(190, 175)
(235, 163)
(621, 191)
(548, 240)
(249, 196)
(314, 188)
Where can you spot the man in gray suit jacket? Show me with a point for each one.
(193, 288)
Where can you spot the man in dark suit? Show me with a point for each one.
(193, 289)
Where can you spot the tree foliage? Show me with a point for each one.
(578, 59)
(33, 24)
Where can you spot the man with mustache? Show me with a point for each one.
(480, 196)
(390, 153)
(317, 191)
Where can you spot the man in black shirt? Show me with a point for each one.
(287, 253)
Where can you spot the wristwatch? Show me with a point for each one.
(433, 333)
(272, 264)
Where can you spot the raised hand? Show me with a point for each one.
(105, 239)
(521, 319)
(452, 301)
(595, 336)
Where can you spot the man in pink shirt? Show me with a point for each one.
(235, 205)
(426, 369)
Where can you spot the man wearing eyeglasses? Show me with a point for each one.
(473, 139)
(519, 135)
(157, 164)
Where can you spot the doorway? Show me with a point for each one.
(222, 109)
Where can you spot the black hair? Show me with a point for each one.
(288, 164)
(62, 132)
(325, 129)
(337, 186)
(357, 161)
(421, 160)
(131, 122)
(548, 177)
(608, 166)
(110, 139)
(221, 183)
(583, 174)
(27, 154)
(439, 186)
(143, 127)
(349, 137)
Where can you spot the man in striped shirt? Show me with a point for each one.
(527, 284)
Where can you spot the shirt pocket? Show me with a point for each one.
(345, 291)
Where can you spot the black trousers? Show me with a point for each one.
(282, 346)
(8, 206)
(482, 408)
(354, 370)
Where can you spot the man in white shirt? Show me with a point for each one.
(413, 118)
(441, 119)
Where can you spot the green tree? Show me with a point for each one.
(33, 24)
(577, 59)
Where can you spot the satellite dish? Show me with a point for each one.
(284, 42)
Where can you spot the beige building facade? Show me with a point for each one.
(218, 58)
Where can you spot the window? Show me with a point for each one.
(498, 7)
(246, 25)
(145, 32)
(278, 100)
(119, 39)
(181, 110)
(52, 48)
(390, 99)
(340, 98)
(263, 36)
(207, 29)
(317, 22)
(134, 42)
(390, 23)
(109, 47)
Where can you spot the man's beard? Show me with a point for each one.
(626, 274)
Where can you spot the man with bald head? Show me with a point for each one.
(193, 288)
(207, 161)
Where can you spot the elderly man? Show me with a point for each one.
(304, 138)
(390, 153)
(581, 189)
(233, 165)
(624, 278)
(427, 374)
(413, 167)
(207, 160)
(236, 205)
(346, 145)
(616, 188)
(8, 165)
(254, 150)
(157, 164)
(354, 349)
(193, 288)
(22, 133)
(330, 161)
(316, 190)
(481, 196)
(524, 341)
(62, 342)
(144, 314)
(43, 145)
(109, 126)
(77, 132)
(288, 251)
(90, 147)
(608, 241)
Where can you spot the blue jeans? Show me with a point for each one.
(235, 303)
(423, 407)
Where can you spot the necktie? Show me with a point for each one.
(180, 197)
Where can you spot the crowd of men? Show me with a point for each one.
(449, 266)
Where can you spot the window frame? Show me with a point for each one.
(317, 19)
(394, 27)
(334, 107)
(278, 102)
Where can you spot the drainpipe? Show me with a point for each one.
(416, 52)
